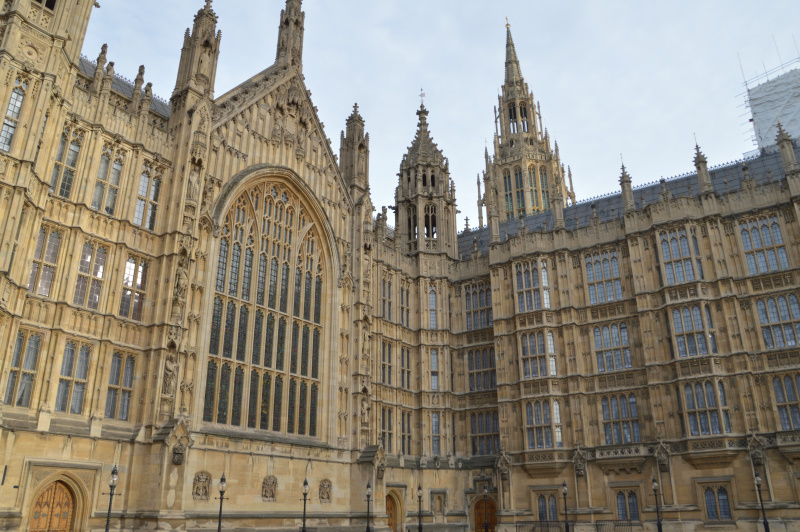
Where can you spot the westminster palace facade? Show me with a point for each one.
(200, 286)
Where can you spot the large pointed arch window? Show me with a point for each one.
(269, 283)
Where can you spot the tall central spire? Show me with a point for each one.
(513, 72)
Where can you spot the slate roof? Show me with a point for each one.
(725, 178)
(124, 87)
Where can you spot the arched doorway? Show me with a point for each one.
(53, 510)
(485, 512)
(391, 512)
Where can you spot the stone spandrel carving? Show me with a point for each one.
(202, 486)
(325, 491)
(269, 488)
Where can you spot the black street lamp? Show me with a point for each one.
(112, 487)
(658, 507)
(222, 487)
(485, 512)
(419, 515)
(761, 500)
(305, 498)
(369, 495)
(564, 492)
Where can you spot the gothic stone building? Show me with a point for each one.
(198, 287)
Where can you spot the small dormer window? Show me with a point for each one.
(49, 4)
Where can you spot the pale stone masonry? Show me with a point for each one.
(198, 287)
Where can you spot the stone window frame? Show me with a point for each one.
(107, 182)
(73, 376)
(478, 305)
(695, 415)
(88, 295)
(23, 368)
(532, 289)
(544, 338)
(484, 432)
(120, 387)
(45, 260)
(386, 298)
(481, 366)
(387, 367)
(784, 392)
(614, 424)
(405, 367)
(606, 264)
(702, 337)
(13, 111)
(548, 424)
(614, 347)
(546, 506)
(67, 161)
(509, 194)
(436, 434)
(138, 275)
(405, 432)
(776, 318)
(623, 507)
(387, 428)
(677, 241)
(148, 194)
(756, 252)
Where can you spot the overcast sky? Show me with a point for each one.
(637, 78)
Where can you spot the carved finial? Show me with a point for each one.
(508, 26)
(422, 97)
(208, 5)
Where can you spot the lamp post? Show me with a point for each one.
(485, 513)
(222, 487)
(305, 498)
(419, 515)
(658, 507)
(564, 492)
(761, 500)
(112, 487)
(369, 495)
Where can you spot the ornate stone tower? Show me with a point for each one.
(525, 170)
(354, 152)
(290, 35)
(425, 197)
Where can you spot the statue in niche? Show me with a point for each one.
(269, 488)
(202, 486)
(325, 489)
(365, 408)
(170, 374)
(208, 193)
(204, 63)
(181, 286)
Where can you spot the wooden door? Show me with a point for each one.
(391, 511)
(53, 510)
(484, 513)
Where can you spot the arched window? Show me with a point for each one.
(433, 324)
(523, 114)
(481, 369)
(22, 375)
(706, 407)
(620, 419)
(509, 194)
(518, 181)
(485, 433)
(611, 347)
(106, 186)
(541, 425)
(692, 330)
(762, 241)
(512, 118)
(627, 506)
(532, 183)
(718, 506)
(545, 189)
(247, 382)
(430, 222)
(148, 194)
(780, 321)
(787, 398)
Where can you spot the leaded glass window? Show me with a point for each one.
(63, 175)
(148, 195)
(106, 186)
(120, 387)
(22, 375)
(72, 381)
(43, 268)
(247, 374)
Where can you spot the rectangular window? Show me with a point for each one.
(404, 307)
(481, 370)
(386, 300)
(45, 256)
(91, 270)
(485, 433)
(763, 244)
(386, 363)
(134, 285)
(405, 368)
(22, 374)
(386, 429)
(120, 387)
(147, 200)
(106, 186)
(72, 382)
(435, 438)
(66, 160)
(12, 114)
(603, 277)
(434, 370)
(432, 308)
(405, 432)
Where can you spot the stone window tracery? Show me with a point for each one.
(69, 147)
(532, 183)
(611, 348)
(677, 256)
(45, 257)
(106, 185)
(693, 331)
(542, 424)
(134, 286)
(603, 278)
(780, 321)
(538, 354)
(435, 434)
(718, 506)
(387, 430)
(706, 408)
(12, 114)
(405, 303)
(547, 507)
(620, 419)
(405, 432)
(787, 400)
(509, 194)
(266, 309)
(485, 433)
(72, 381)
(120, 387)
(386, 299)
(627, 505)
(763, 244)
(405, 368)
(481, 369)
(386, 363)
(545, 189)
(478, 306)
(532, 284)
(434, 360)
(22, 375)
(431, 230)
(91, 271)
(520, 192)
(147, 200)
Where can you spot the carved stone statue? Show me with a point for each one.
(756, 449)
(182, 279)
(204, 64)
(269, 488)
(365, 408)
(193, 186)
(202, 486)
(325, 490)
(170, 375)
